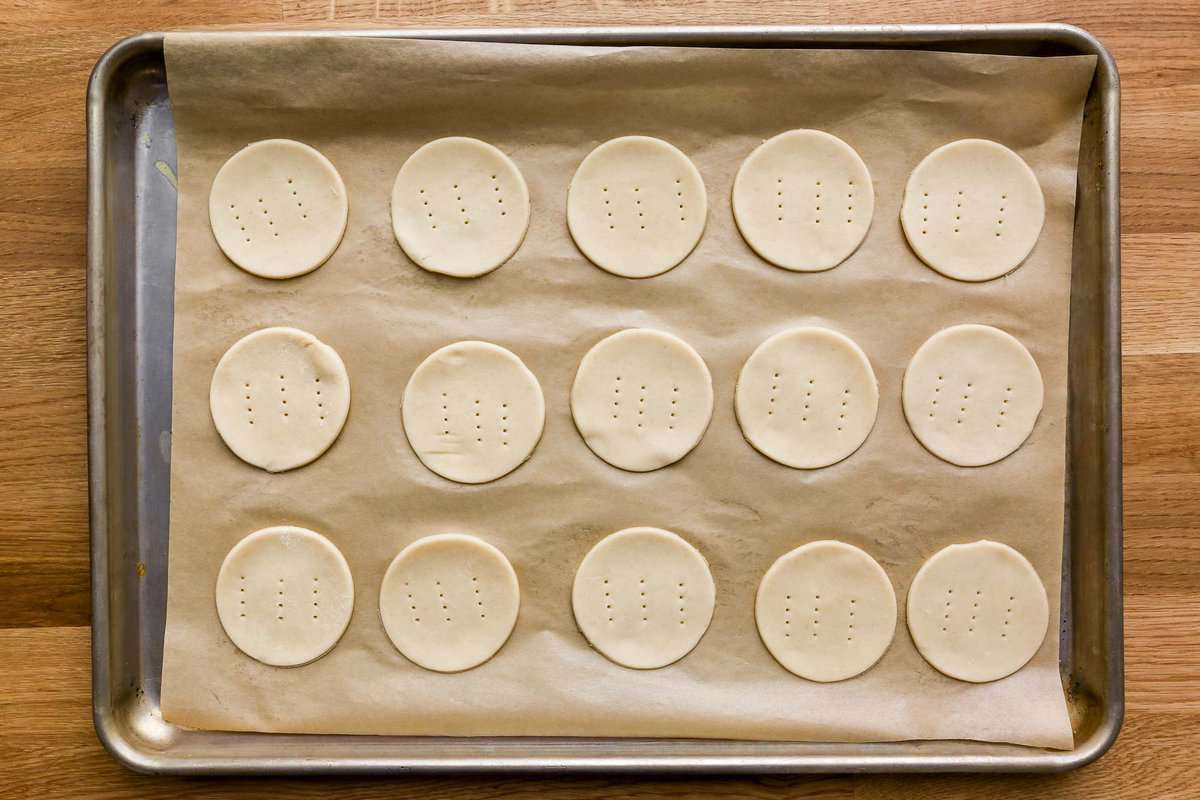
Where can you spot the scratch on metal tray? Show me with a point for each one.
(167, 173)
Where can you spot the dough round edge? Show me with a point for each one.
(456, 537)
(746, 163)
(1027, 355)
(693, 170)
(630, 531)
(325, 543)
(503, 351)
(777, 566)
(692, 353)
(823, 330)
(527, 208)
(911, 239)
(341, 184)
(290, 331)
(909, 614)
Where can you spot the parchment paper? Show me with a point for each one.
(367, 104)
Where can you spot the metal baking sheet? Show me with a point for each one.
(131, 252)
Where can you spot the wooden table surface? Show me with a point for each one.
(47, 47)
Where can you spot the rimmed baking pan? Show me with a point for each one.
(131, 253)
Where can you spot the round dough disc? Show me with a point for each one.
(826, 611)
(972, 210)
(278, 208)
(972, 394)
(473, 412)
(459, 207)
(636, 206)
(803, 200)
(977, 612)
(807, 398)
(643, 597)
(279, 398)
(449, 602)
(284, 595)
(642, 399)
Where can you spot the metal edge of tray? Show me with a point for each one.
(133, 735)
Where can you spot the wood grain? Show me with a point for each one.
(47, 746)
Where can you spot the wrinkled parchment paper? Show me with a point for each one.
(367, 104)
